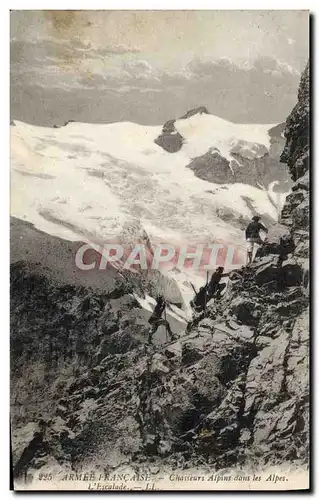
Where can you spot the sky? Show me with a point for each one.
(152, 66)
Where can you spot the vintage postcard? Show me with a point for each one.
(159, 250)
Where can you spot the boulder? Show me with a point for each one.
(159, 365)
(245, 311)
(207, 386)
(267, 270)
(109, 323)
(279, 242)
(23, 438)
(302, 183)
(118, 342)
(191, 353)
(301, 215)
(291, 273)
(225, 417)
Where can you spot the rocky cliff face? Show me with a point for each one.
(231, 390)
(295, 213)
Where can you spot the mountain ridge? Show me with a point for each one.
(231, 391)
(121, 162)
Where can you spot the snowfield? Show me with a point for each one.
(84, 182)
(202, 131)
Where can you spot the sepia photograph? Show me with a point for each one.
(159, 250)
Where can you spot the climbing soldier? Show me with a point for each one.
(200, 299)
(214, 286)
(211, 289)
(156, 319)
(253, 237)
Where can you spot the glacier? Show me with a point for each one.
(84, 181)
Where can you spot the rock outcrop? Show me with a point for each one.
(252, 164)
(170, 139)
(232, 389)
(295, 212)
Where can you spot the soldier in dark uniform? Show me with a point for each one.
(156, 320)
(200, 299)
(253, 237)
(213, 288)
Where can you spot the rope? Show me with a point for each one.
(165, 323)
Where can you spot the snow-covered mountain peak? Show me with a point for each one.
(90, 182)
